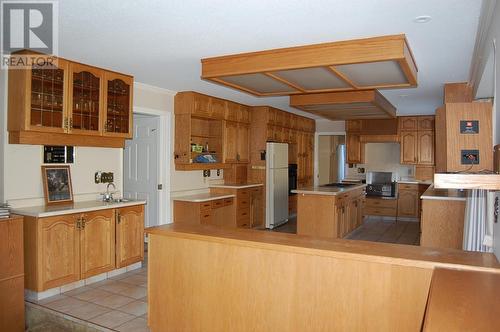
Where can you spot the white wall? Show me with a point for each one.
(328, 126)
(383, 157)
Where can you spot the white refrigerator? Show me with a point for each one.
(277, 184)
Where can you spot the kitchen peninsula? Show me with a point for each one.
(330, 211)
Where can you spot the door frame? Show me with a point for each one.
(316, 150)
(164, 149)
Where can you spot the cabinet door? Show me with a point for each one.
(86, 100)
(353, 125)
(425, 122)
(426, 147)
(243, 150)
(118, 105)
(243, 114)
(309, 155)
(230, 141)
(256, 207)
(201, 105)
(409, 147)
(97, 242)
(59, 249)
(408, 203)
(47, 110)
(355, 151)
(129, 235)
(218, 108)
(408, 123)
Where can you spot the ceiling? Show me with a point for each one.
(161, 42)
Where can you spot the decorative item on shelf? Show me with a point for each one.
(4, 211)
(196, 148)
(57, 184)
(205, 158)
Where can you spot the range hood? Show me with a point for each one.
(351, 105)
(360, 64)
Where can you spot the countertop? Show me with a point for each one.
(414, 181)
(444, 194)
(463, 301)
(198, 198)
(372, 252)
(329, 191)
(76, 207)
(237, 186)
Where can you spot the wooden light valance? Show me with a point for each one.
(360, 64)
(367, 104)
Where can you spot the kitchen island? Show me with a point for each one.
(331, 212)
(233, 279)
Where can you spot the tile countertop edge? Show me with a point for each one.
(326, 191)
(236, 186)
(202, 198)
(433, 194)
(36, 211)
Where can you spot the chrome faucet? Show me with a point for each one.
(108, 196)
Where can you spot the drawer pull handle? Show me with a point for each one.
(206, 216)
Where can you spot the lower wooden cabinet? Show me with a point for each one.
(380, 207)
(408, 200)
(11, 274)
(218, 212)
(442, 223)
(97, 243)
(67, 248)
(129, 235)
(58, 249)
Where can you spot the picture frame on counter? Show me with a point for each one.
(57, 184)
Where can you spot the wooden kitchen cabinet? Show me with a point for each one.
(409, 147)
(248, 206)
(11, 274)
(59, 251)
(355, 149)
(242, 143)
(97, 243)
(442, 223)
(417, 140)
(425, 143)
(220, 212)
(70, 104)
(375, 206)
(236, 142)
(256, 207)
(129, 235)
(408, 200)
(118, 103)
(85, 93)
(67, 248)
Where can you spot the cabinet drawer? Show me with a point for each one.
(408, 186)
(243, 193)
(206, 217)
(381, 203)
(217, 203)
(205, 206)
(243, 203)
(256, 190)
(228, 201)
(243, 222)
(379, 211)
(243, 213)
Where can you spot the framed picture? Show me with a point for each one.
(57, 184)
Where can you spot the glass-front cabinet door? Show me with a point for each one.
(47, 110)
(86, 99)
(118, 101)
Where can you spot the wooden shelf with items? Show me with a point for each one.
(64, 105)
(202, 120)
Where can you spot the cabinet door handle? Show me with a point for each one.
(118, 218)
(79, 223)
(83, 223)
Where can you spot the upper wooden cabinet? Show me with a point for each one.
(118, 103)
(417, 140)
(69, 104)
(355, 149)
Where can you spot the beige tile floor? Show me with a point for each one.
(118, 303)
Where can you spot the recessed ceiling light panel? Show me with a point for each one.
(422, 19)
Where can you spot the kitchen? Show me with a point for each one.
(253, 176)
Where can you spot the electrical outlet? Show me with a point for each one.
(103, 177)
(469, 157)
(97, 177)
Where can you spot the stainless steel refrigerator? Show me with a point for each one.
(276, 184)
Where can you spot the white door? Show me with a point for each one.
(140, 166)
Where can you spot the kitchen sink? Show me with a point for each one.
(119, 200)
